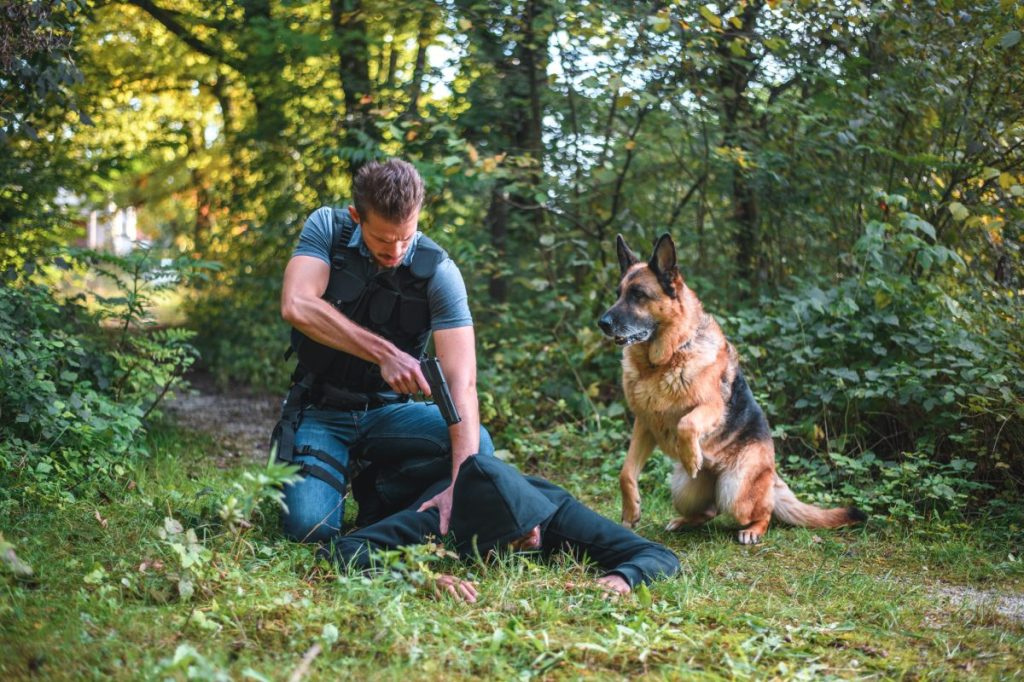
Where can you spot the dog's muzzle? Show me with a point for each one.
(622, 337)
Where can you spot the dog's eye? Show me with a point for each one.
(637, 294)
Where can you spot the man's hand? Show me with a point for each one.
(443, 502)
(402, 373)
(460, 590)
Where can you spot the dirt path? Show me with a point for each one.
(239, 419)
(1010, 606)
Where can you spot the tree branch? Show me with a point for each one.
(620, 180)
(169, 20)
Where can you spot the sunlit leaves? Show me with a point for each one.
(958, 211)
(710, 16)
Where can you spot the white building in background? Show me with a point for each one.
(113, 229)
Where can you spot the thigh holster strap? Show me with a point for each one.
(323, 475)
(325, 458)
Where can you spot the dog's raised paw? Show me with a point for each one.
(693, 464)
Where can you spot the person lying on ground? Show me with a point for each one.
(495, 507)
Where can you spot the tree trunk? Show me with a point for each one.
(419, 67)
(497, 226)
(350, 30)
(733, 78)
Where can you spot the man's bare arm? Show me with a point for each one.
(456, 349)
(305, 281)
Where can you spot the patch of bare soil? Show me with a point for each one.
(238, 419)
(1009, 606)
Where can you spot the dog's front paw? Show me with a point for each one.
(752, 534)
(630, 517)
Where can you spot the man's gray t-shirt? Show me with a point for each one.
(446, 292)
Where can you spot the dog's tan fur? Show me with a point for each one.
(677, 384)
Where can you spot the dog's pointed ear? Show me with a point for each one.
(663, 263)
(626, 257)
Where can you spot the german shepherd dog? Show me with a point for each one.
(684, 385)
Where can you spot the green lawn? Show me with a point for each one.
(855, 604)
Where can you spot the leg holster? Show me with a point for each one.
(282, 441)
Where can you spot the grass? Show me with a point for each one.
(854, 604)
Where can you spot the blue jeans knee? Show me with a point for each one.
(314, 511)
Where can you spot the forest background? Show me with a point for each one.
(844, 181)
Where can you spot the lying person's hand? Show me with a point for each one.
(460, 590)
(614, 584)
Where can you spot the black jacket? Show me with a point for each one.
(492, 504)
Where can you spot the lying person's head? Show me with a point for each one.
(527, 543)
(494, 507)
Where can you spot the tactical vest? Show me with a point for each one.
(390, 303)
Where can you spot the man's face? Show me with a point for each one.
(387, 241)
(528, 542)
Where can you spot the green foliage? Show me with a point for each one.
(908, 388)
(191, 552)
(191, 557)
(411, 568)
(60, 422)
(188, 663)
(248, 495)
(240, 332)
(75, 394)
(38, 109)
(11, 564)
(754, 132)
(906, 490)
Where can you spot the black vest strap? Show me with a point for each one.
(340, 237)
(325, 458)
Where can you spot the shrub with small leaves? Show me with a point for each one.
(900, 388)
(73, 398)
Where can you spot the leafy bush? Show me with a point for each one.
(73, 397)
(903, 380)
(240, 332)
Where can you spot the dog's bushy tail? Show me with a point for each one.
(790, 510)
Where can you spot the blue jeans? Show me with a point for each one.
(387, 437)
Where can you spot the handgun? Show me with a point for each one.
(439, 390)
